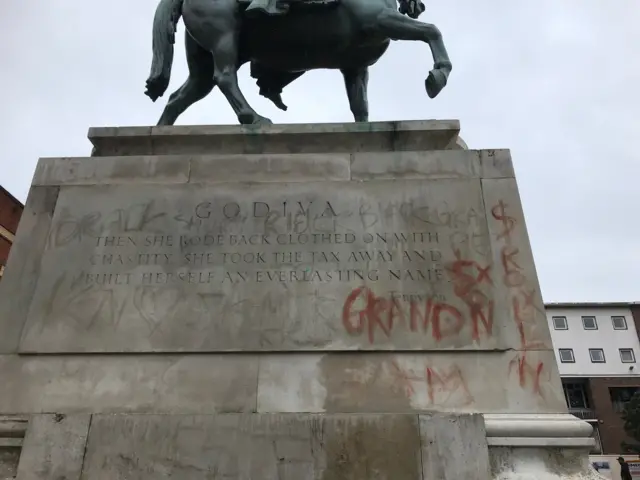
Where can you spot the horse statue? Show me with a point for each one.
(282, 39)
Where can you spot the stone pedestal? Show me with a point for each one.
(334, 301)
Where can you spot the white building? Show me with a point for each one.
(594, 340)
(597, 349)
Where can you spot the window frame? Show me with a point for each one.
(573, 357)
(604, 358)
(576, 387)
(595, 322)
(633, 355)
(624, 319)
(566, 323)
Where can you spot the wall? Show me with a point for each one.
(605, 337)
(610, 424)
(10, 212)
(635, 313)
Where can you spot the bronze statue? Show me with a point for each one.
(282, 39)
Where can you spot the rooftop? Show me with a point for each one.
(590, 304)
(7, 193)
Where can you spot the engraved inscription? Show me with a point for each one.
(391, 266)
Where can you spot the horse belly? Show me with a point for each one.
(304, 41)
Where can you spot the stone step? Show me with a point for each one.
(292, 138)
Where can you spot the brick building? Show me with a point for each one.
(10, 213)
(597, 348)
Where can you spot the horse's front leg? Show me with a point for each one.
(398, 27)
(355, 81)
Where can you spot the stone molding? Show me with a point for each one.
(12, 431)
(538, 430)
(291, 138)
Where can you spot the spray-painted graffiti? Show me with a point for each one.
(445, 386)
(69, 229)
(366, 313)
(523, 307)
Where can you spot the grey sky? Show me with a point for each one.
(556, 81)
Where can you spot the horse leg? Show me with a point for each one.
(197, 86)
(215, 26)
(398, 27)
(225, 59)
(355, 80)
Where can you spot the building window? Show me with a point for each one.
(575, 395)
(620, 396)
(627, 355)
(589, 323)
(619, 323)
(560, 323)
(597, 355)
(566, 355)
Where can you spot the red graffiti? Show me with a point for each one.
(404, 379)
(513, 276)
(528, 374)
(467, 277)
(445, 386)
(499, 212)
(522, 299)
(363, 311)
(524, 312)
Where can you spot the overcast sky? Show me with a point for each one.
(556, 81)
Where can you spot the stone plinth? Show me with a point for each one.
(300, 301)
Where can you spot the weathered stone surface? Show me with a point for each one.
(542, 464)
(23, 267)
(175, 169)
(54, 447)
(496, 164)
(282, 447)
(112, 170)
(305, 382)
(454, 447)
(269, 168)
(13, 426)
(9, 458)
(434, 165)
(295, 138)
(519, 300)
(378, 265)
(334, 285)
(409, 382)
(124, 383)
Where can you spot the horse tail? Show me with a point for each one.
(165, 24)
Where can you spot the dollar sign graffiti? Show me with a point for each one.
(508, 223)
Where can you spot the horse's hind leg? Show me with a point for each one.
(225, 58)
(215, 26)
(398, 27)
(197, 86)
(355, 80)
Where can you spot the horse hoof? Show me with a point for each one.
(262, 122)
(436, 81)
(258, 122)
(253, 119)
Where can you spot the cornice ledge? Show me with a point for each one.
(557, 430)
